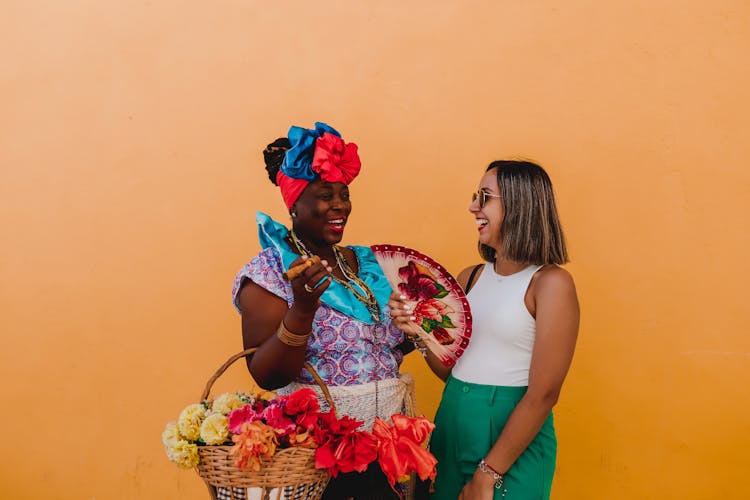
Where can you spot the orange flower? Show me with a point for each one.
(400, 450)
(302, 438)
(256, 441)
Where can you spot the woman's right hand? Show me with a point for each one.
(402, 317)
(306, 294)
(400, 312)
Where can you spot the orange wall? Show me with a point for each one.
(130, 138)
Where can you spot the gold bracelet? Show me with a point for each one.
(289, 338)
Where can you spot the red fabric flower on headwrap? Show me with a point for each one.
(315, 153)
(334, 160)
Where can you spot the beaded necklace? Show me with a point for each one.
(352, 282)
(365, 295)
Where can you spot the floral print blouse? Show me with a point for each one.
(342, 349)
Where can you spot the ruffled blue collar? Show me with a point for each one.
(337, 296)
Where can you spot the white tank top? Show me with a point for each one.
(503, 330)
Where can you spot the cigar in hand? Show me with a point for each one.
(295, 271)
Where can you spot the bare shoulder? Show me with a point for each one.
(554, 280)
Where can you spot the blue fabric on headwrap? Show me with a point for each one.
(298, 158)
(337, 296)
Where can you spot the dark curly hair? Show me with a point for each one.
(273, 156)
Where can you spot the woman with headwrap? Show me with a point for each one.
(333, 314)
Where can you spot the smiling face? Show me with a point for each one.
(322, 211)
(490, 216)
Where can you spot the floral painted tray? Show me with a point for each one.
(443, 317)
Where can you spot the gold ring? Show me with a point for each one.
(307, 287)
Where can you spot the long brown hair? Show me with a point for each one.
(530, 230)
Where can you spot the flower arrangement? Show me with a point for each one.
(431, 313)
(258, 425)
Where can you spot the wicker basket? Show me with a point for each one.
(290, 475)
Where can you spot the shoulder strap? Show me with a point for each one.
(472, 276)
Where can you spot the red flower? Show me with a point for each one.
(400, 450)
(274, 416)
(240, 416)
(329, 427)
(335, 160)
(442, 336)
(342, 448)
(302, 405)
(353, 452)
(417, 286)
(430, 309)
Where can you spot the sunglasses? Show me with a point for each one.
(482, 196)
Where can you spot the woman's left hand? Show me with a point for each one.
(481, 487)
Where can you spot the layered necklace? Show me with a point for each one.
(352, 282)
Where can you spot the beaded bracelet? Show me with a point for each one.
(415, 341)
(421, 348)
(499, 479)
(289, 338)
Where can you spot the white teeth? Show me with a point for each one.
(482, 222)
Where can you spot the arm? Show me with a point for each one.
(275, 364)
(557, 317)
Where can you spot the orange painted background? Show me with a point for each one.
(130, 139)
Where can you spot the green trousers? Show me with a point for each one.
(468, 422)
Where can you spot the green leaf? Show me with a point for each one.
(447, 323)
(442, 293)
(428, 324)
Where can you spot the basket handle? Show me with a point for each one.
(249, 352)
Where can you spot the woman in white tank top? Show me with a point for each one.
(494, 435)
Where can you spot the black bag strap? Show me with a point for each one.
(472, 276)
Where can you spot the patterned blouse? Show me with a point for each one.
(342, 349)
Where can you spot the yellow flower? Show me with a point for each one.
(183, 454)
(215, 429)
(171, 435)
(224, 403)
(263, 395)
(190, 420)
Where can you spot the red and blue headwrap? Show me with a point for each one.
(319, 153)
